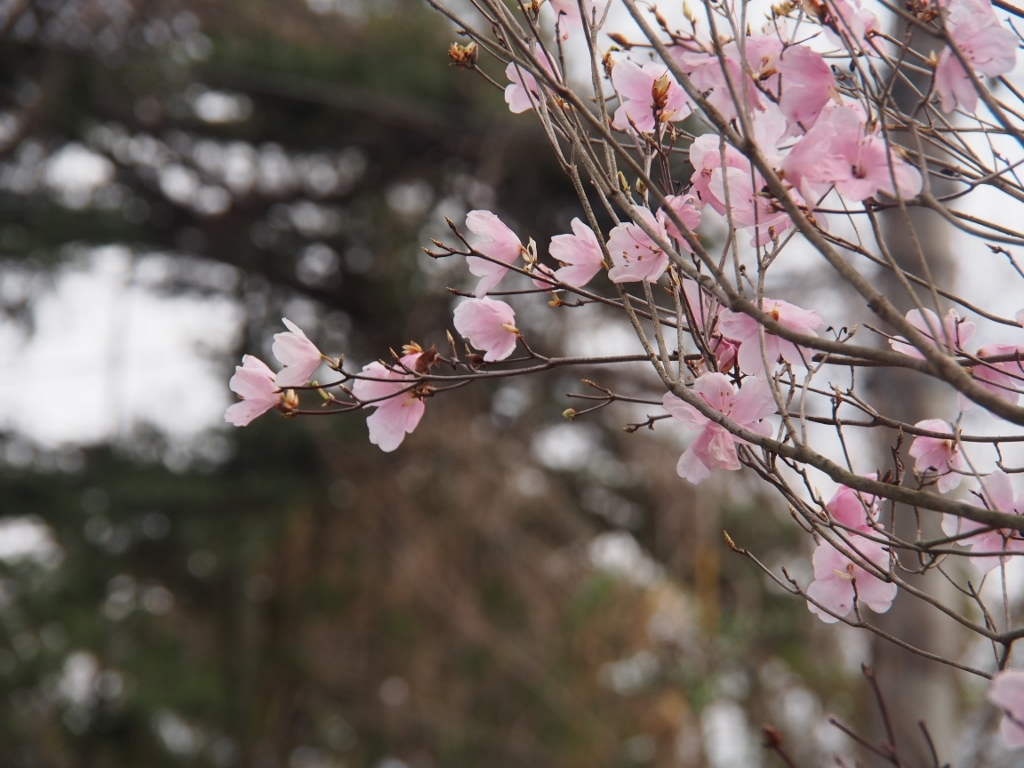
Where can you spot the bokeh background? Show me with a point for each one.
(506, 589)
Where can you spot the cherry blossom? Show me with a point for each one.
(579, 254)
(489, 325)
(840, 152)
(989, 47)
(807, 85)
(567, 14)
(853, 509)
(705, 309)
(1007, 693)
(494, 240)
(254, 383)
(650, 95)
(745, 330)
(686, 211)
(839, 582)
(715, 446)
(705, 71)
(399, 407)
(297, 354)
(635, 256)
(1004, 380)
(996, 494)
(955, 331)
(524, 93)
(940, 456)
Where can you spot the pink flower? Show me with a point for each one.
(807, 85)
(650, 95)
(705, 310)
(685, 210)
(1004, 380)
(523, 93)
(853, 509)
(715, 446)
(839, 581)
(579, 254)
(398, 407)
(954, 331)
(987, 45)
(996, 494)
(704, 68)
(489, 325)
(1007, 693)
(497, 242)
(635, 256)
(567, 15)
(254, 383)
(846, 24)
(744, 330)
(937, 455)
(297, 354)
(839, 152)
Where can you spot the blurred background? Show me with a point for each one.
(504, 590)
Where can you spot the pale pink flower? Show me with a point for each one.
(494, 240)
(715, 446)
(567, 14)
(1004, 380)
(579, 254)
(254, 383)
(704, 69)
(297, 354)
(489, 325)
(839, 152)
(523, 93)
(398, 407)
(997, 495)
(846, 24)
(936, 455)
(635, 256)
(705, 310)
(954, 332)
(685, 210)
(1007, 693)
(807, 85)
(649, 94)
(744, 330)
(989, 47)
(839, 582)
(853, 509)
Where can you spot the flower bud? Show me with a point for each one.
(463, 56)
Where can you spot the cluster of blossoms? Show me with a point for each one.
(795, 138)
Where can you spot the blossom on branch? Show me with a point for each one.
(996, 494)
(524, 93)
(1005, 380)
(954, 331)
(988, 46)
(579, 254)
(1007, 693)
(853, 509)
(936, 455)
(746, 331)
(635, 255)
(650, 96)
(494, 240)
(839, 582)
(715, 446)
(254, 383)
(396, 398)
(489, 325)
(297, 354)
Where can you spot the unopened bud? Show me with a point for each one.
(463, 56)
(510, 328)
(569, 414)
(659, 92)
(289, 402)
